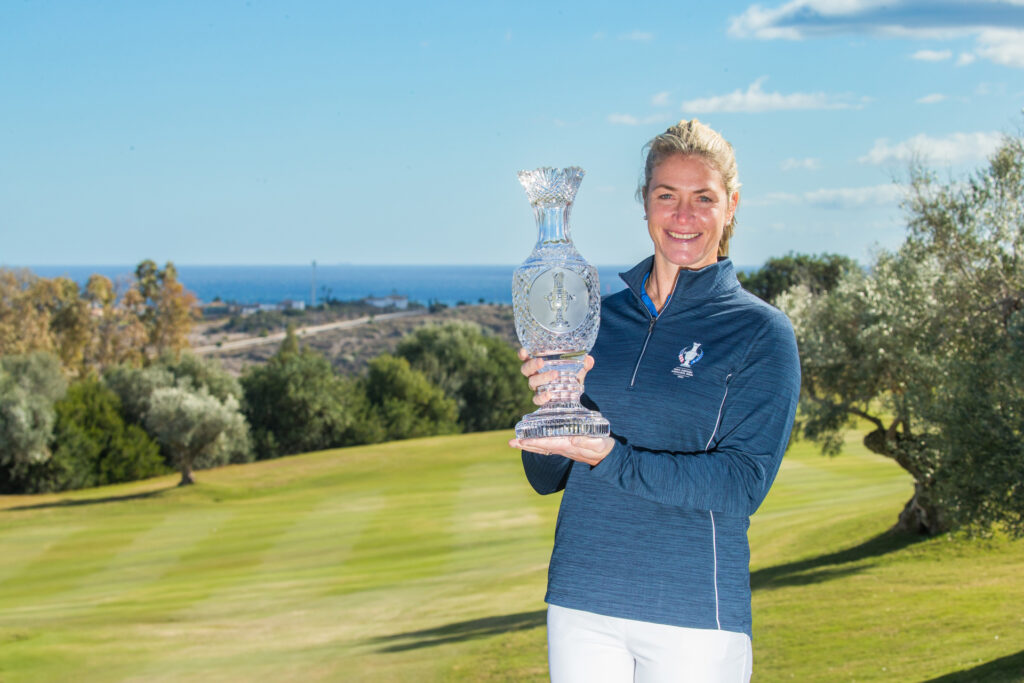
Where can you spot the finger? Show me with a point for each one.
(541, 398)
(542, 378)
(531, 367)
(588, 363)
(523, 354)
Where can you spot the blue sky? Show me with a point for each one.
(390, 133)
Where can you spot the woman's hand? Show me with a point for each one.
(531, 368)
(588, 449)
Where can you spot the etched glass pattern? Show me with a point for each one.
(556, 299)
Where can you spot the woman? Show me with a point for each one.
(649, 577)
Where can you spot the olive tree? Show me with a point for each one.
(137, 387)
(29, 385)
(928, 348)
(192, 426)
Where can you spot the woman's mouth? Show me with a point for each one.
(682, 235)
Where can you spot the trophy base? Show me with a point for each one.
(562, 421)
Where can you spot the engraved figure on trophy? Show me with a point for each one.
(557, 302)
(559, 299)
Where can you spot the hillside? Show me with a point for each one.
(349, 349)
(425, 560)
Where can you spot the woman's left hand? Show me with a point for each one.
(587, 449)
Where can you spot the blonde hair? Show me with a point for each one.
(693, 138)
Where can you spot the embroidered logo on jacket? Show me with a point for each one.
(688, 357)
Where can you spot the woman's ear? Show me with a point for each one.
(734, 202)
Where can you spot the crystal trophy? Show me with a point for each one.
(556, 300)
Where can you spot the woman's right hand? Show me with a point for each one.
(532, 369)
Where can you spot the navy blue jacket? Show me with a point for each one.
(701, 401)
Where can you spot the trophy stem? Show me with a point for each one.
(552, 224)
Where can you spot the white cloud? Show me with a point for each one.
(934, 98)
(996, 25)
(808, 164)
(630, 120)
(755, 99)
(853, 197)
(1002, 46)
(932, 55)
(639, 36)
(660, 100)
(965, 58)
(887, 195)
(952, 149)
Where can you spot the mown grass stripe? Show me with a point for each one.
(287, 595)
(69, 562)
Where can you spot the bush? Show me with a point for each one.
(479, 372)
(92, 444)
(406, 403)
(296, 403)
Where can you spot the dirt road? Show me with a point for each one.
(278, 337)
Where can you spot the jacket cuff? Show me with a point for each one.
(609, 468)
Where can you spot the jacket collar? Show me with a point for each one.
(691, 287)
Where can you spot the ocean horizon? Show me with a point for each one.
(271, 284)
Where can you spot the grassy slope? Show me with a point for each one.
(425, 560)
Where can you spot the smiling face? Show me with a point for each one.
(687, 210)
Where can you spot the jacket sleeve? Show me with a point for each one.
(546, 473)
(744, 452)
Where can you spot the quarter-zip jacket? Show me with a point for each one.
(701, 401)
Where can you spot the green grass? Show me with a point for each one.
(426, 560)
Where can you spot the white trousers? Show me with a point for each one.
(584, 647)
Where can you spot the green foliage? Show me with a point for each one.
(136, 387)
(405, 402)
(480, 372)
(192, 371)
(193, 427)
(819, 273)
(290, 344)
(93, 445)
(929, 349)
(296, 403)
(29, 385)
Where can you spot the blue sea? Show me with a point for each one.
(273, 284)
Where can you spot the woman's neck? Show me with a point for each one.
(661, 283)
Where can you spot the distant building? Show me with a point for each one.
(289, 304)
(392, 300)
(249, 309)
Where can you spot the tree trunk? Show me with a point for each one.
(186, 477)
(920, 516)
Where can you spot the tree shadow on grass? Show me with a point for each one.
(1008, 668)
(833, 565)
(460, 631)
(75, 502)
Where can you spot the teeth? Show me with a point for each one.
(681, 236)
